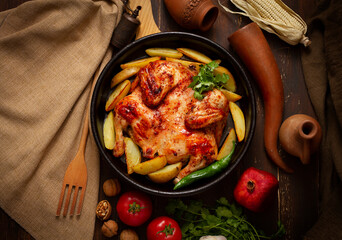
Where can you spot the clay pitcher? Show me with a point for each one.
(193, 14)
(300, 135)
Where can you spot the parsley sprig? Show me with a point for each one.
(206, 80)
(225, 219)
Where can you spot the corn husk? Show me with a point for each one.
(274, 17)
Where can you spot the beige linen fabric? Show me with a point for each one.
(49, 53)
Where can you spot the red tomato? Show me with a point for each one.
(162, 228)
(134, 208)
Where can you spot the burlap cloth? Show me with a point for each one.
(322, 66)
(49, 53)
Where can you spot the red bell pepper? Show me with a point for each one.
(256, 189)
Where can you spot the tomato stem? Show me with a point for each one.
(134, 208)
(168, 230)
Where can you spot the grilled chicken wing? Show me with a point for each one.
(213, 108)
(163, 118)
(158, 78)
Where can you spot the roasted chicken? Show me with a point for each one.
(163, 118)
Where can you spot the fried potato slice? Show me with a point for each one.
(124, 75)
(239, 120)
(166, 174)
(119, 93)
(164, 52)
(108, 131)
(140, 62)
(227, 145)
(185, 63)
(150, 166)
(133, 154)
(218, 61)
(232, 97)
(195, 55)
(230, 84)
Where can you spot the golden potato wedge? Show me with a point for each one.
(124, 75)
(195, 55)
(232, 97)
(134, 84)
(108, 131)
(140, 62)
(150, 166)
(164, 52)
(119, 93)
(230, 84)
(227, 145)
(166, 174)
(133, 154)
(239, 120)
(189, 64)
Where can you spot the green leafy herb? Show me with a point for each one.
(225, 219)
(206, 80)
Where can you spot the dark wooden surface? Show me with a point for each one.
(297, 204)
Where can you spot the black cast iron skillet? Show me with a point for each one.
(136, 50)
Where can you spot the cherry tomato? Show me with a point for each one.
(134, 208)
(162, 228)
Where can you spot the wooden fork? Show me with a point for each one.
(75, 176)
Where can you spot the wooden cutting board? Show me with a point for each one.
(148, 25)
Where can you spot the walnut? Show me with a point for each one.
(103, 210)
(129, 234)
(109, 228)
(111, 187)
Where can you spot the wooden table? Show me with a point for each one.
(297, 204)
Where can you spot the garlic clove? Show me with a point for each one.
(220, 237)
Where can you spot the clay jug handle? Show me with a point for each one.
(305, 156)
(307, 132)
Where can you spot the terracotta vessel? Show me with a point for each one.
(300, 135)
(193, 14)
(252, 47)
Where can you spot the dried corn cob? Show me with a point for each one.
(275, 17)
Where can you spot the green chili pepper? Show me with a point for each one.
(207, 172)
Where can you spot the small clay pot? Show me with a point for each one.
(300, 135)
(193, 14)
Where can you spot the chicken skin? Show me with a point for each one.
(163, 118)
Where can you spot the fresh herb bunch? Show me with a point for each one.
(206, 80)
(197, 220)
